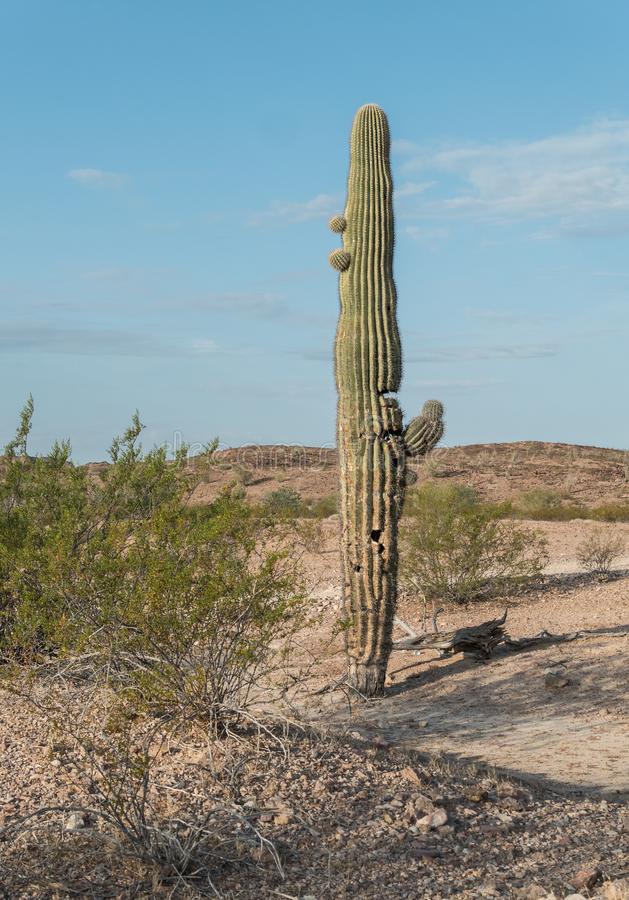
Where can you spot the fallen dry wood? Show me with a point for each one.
(547, 637)
(479, 639)
(484, 638)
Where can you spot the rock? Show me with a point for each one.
(410, 775)
(76, 821)
(424, 853)
(506, 789)
(475, 794)
(423, 804)
(532, 892)
(494, 829)
(434, 819)
(624, 823)
(586, 878)
(615, 890)
(554, 679)
(281, 819)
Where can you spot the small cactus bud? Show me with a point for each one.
(338, 224)
(340, 260)
(432, 409)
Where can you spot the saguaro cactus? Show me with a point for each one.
(372, 443)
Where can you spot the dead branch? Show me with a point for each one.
(546, 637)
(479, 639)
(484, 638)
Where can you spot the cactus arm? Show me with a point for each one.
(425, 431)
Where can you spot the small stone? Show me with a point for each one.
(76, 821)
(532, 892)
(495, 829)
(434, 819)
(424, 853)
(506, 789)
(410, 775)
(554, 679)
(586, 878)
(281, 819)
(475, 794)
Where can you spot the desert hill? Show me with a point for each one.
(590, 475)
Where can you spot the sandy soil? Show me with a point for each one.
(574, 738)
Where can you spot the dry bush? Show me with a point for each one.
(598, 551)
(127, 810)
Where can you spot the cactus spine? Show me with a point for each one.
(371, 441)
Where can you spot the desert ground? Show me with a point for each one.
(468, 779)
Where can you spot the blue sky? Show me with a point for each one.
(167, 174)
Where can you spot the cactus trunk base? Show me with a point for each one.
(367, 678)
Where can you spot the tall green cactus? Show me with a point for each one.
(372, 443)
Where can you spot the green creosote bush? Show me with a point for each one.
(598, 551)
(183, 609)
(324, 506)
(610, 512)
(288, 502)
(457, 550)
(283, 501)
(544, 504)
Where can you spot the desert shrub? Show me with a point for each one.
(242, 475)
(283, 502)
(323, 506)
(610, 512)
(456, 549)
(184, 609)
(538, 503)
(237, 490)
(598, 551)
(125, 819)
(546, 505)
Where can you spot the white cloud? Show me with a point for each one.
(578, 181)
(204, 345)
(45, 337)
(253, 305)
(96, 178)
(497, 351)
(412, 188)
(430, 236)
(320, 207)
(455, 354)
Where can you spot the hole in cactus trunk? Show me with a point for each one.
(375, 534)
